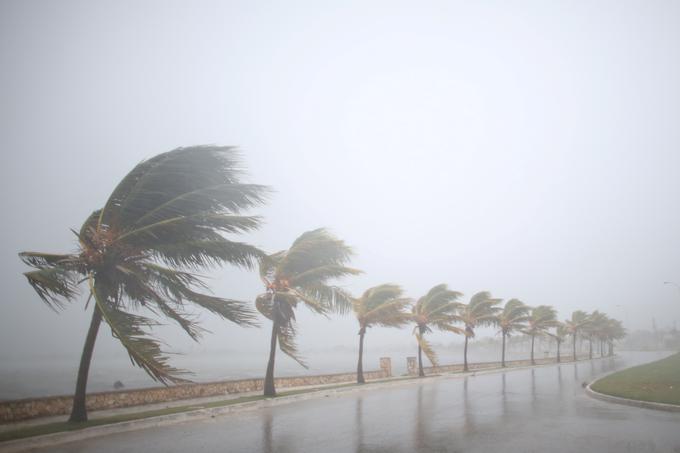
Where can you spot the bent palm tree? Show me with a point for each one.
(613, 331)
(163, 221)
(541, 319)
(579, 321)
(482, 310)
(435, 309)
(513, 318)
(597, 321)
(560, 335)
(301, 274)
(383, 306)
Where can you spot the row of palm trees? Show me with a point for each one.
(173, 216)
(439, 308)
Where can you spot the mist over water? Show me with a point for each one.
(28, 377)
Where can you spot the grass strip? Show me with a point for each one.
(657, 382)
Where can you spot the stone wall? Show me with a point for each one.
(412, 365)
(24, 409)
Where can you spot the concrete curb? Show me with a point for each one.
(628, 402)
(49, 440)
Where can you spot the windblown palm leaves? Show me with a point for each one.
(381, 305)
(481, 311)
(301, 274)
(513, 318)
(596, 330)
(435, 309)
(540, 320)
(560, 335)
(578, 322)
(164, 221)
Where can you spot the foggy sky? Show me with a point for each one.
(531, 149)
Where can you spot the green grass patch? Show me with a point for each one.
(658, 382)
(51, 428)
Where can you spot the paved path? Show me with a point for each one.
(530, 410)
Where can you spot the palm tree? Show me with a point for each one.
(579, 320)
(560, 335)
(482, 310)
(435, 309)
(513, 318)
(383, 306)
(613, 331)
(540, 320)
(596, 322)
(164, 221)
(301, 275)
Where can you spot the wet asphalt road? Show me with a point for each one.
(533, 410)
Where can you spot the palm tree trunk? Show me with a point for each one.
(465, 364)
(533, 362)
(421, 373)
(269, 389)
(503, 354)
(590, 348)
(360, 365)
(79, 410)
(574, 346)
(558, 351)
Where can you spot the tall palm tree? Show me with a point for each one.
(579, 320)
(301, 274)
(596, 322)
(560, 335)
(540, 320)
(164, 221)
(436, 309)
(482, 310)
(381, 305)
(613, 331)
(513, 318)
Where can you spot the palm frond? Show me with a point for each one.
(184, 320)
(56, 277)
(332, 298)
(264, 304)
(541, 319)
(378, 295)
(322, 274)
(286, 337)
(390, 313)
(199, 254)
(40, 260)
(513, 317)
(144, 351)
(269, 265)
(180, 183)
(447, 327)
(278, 303)
(233, 310)
(314, 249)
(427, 349)
(201, 226)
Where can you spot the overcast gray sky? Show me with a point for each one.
(528, 148)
